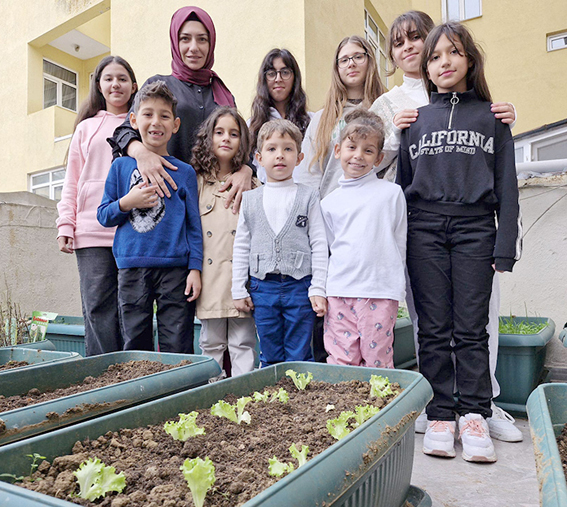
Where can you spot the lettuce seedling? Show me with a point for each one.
(240, 413)
(96, 479)
(278, 468)
(380, 386)
(264, 397)
(185, 428)
(281, 396)
(338, 428)
(234, 413)
(300, 380)
(200, 477)
(363, 413)
(300, 456)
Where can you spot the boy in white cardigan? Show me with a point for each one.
(366, 227)
(280, 249)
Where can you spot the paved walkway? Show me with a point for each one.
(511, 481)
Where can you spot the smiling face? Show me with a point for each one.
(194, 44)
(156, 124)
(226, 139)
(358, 155)
(116, 87)
(406, 51)
(279, 157)
(353, 76)
(448, 66)
(280, 88)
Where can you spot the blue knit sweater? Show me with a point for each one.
(168, 234)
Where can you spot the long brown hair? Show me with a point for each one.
(337, 98)
(203, 158)
(456, 32)
(296, 108)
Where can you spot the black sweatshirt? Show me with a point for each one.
(458, 160)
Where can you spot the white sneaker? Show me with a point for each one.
(475, 437)
(421, 422)
(501, 426)
(439, 439)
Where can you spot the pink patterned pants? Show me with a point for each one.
(360, 331)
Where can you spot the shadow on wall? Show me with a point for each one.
(32, 270)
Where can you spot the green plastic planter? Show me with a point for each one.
(40, 345)
(34, 357)
(404, 345)
(547, 413)
(25, 422)
(370, 467)
(520, 364)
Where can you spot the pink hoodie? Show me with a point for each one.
(90, 157)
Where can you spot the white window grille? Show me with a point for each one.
(558, 41)
(460, 10)
(59, 86)
(48, 183)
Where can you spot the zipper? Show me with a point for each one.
(454, 102)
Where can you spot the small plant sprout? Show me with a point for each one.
(277, 468)
(338, 428)
(263, 397)
(280, 395)
(380, 386)
(35, 457)
(96, 479)
(363, 413)
(200, 477)
(300, 380)
(328, 408)
(185, 428)
(300, 456)
(234, 413)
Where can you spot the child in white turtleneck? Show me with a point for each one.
(366, 225)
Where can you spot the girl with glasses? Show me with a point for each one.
(279, 94)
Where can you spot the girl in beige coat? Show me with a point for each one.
(221, 148)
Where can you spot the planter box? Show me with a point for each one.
(33, 420)
(404, 346)
(370, 467)
(40, 345)
(547, 412)
(520, 364)
(33, 356)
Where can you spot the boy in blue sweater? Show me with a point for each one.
(158, 244)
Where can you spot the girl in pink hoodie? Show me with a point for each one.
(111, 94)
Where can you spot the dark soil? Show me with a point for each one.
(115, 373)
(150, 458)
(13, 364)
(562, 445)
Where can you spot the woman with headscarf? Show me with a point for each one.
(198, 90)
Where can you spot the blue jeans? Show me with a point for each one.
(284, 318)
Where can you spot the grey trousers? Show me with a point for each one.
(98, 277)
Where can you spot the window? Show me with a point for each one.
(552, 148)
(459, 10)
(519, 154)
(49, 184)
(377, 40)
(59, 86)
(558, 41)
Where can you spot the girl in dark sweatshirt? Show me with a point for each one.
(456, 167)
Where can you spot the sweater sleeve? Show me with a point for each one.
(508, 247)
(310, 175)
(404, 173)
(67, 206)
(401, 224)
(240, 257)
(108, 213)
(193, 227)
(319, 247)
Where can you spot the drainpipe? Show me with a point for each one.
(542, 166)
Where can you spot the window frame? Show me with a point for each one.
(378, 50)
(445, 11)
(51, 184)
(60, 82)
(551, 38)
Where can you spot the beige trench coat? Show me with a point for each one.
(219, 229)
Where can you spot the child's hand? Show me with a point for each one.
(65, 244)
(319, 305)
(504, 111)
(244, 305)
(235, 184)
(141, 196)
(497, 270)
(405, 118)
(193, 287)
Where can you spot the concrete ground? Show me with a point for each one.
(457, 483)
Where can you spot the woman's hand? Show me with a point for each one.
(65, 244)
(405, 118)
(193, 287)
(504, 111)
(244, 305)
(319, 305)
(141, 196)
(238, 182)
(151, 168)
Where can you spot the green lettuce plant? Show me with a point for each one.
(380, 386)
(185, 428)
(200, 477)
(338, 428)
(234, 413)
(300, 380)
(96, 479)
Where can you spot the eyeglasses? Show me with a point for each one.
(284, 73)
(357, 58)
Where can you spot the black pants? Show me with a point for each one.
(98, 277)
(450, 261)
(137, 290)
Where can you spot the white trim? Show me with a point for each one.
(51, 184)
(529, 144)
(60, 82)
(445, 11)
(62, 138)
(551, 38)
(375, 43)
